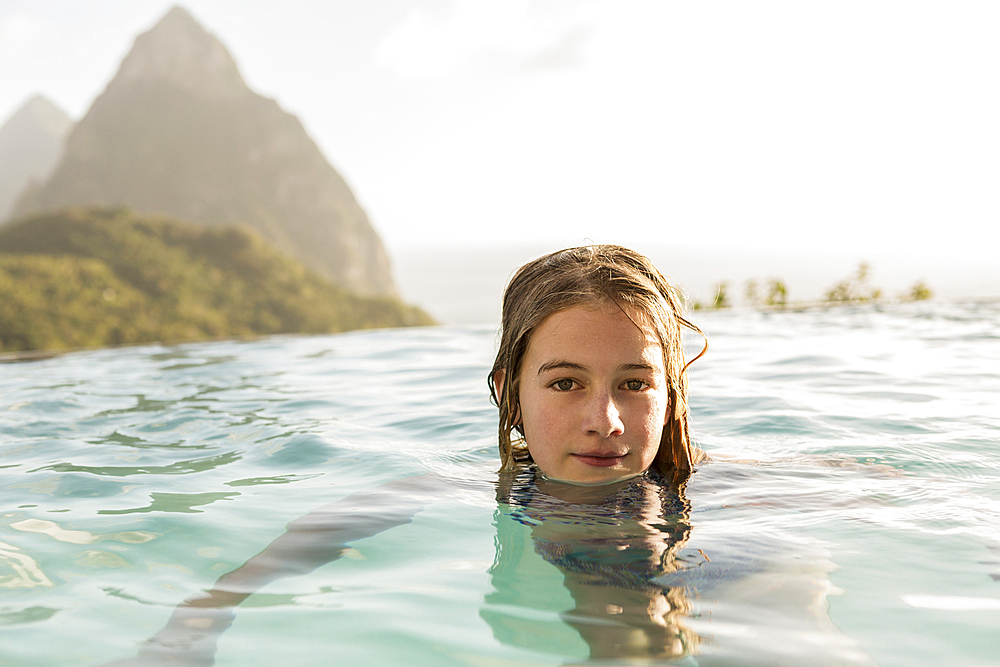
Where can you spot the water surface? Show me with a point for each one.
(851, 515)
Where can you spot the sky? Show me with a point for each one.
(861, 127)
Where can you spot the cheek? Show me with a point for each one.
(545, 420)
(531, 411)
(656, 417)
(533, 415)
(664, 407)
(656, 423)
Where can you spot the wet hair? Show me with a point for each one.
(593, 275)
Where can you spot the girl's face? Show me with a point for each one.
(593, 395)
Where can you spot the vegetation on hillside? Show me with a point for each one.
(87, 277)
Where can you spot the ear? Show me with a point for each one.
(498, 381)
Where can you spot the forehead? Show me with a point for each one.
(595, 332)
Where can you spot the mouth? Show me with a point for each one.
(598, 460)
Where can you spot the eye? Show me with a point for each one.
(635, 385)
(564, 384)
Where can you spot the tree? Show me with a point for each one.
(721, 296)
(920, 292)
(777, 294)
(854, 289)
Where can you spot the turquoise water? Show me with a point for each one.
(851, 515)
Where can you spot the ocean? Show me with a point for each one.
(850, 513)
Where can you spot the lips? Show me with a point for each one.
(599, 460)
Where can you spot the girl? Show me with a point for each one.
(594, 447)
(597, 391)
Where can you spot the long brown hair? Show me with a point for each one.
(590, 275)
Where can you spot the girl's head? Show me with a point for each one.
(590, 369)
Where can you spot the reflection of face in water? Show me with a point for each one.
(609, 544)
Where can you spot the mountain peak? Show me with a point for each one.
(180, 51)
(180, 16)
(178, 132)
(40, 111)
(30, 145)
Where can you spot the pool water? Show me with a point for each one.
(851, 514)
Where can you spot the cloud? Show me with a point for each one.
(568, 54)
(18, 32)
(476, 34)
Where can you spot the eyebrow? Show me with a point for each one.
(562, 364)
(571, 365)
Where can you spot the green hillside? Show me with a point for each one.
(86, 277)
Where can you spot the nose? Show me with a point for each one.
(602, 417)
